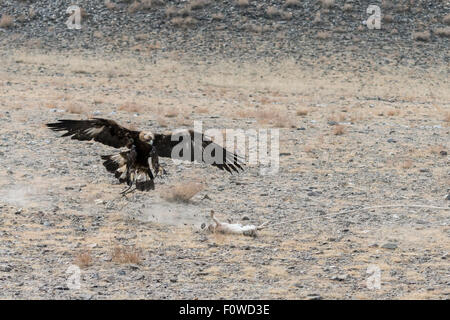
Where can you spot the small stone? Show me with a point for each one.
(443, 153)
(5, 268)
(340, 277)
(389, 245)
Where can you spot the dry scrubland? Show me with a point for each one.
(347, 140)
(364, 122)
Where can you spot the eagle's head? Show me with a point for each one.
(147, 137)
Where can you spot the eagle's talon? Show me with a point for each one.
(127, 190)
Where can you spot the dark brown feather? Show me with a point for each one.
(101, 130)
(164, 144)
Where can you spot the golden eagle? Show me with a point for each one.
(133, 166)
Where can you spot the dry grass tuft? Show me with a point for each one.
(242, 3)
(217, 16)
(171, 11)
(182, 192)
(386, 4)
(446, 19)
(327, 3)
(286, 15)
(75, 108)
(407, 164)
(443, 32)
(387, 18)
(339, 130)
(6, 21)
(131, 107)
(273, 12)
(422, 36)
(83, 259)
(134, 7)
(323, 35)
(447, 117)
(347, 7)
(393, 112)
(198, 4)
(302, 112)
(126, 254)
(110, 5)
(142, 5)
(275, 116)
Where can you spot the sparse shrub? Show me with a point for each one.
(185, 11)
(135, 6)
(387, 18)
(302, 112)
(131, 107)
(422, 36)
(182, 192)
(75, 108)
(339, 130)
(407, 164)
(317, 18)
(83, 259)
(190, 21)
(277, 117)
(242, 3)
(347, 7)
(272, 12)
(254, 28)
(327, 3)
(199, 4)
(217, 16)
(110, 5)
(447, 117)
(126, 254)
(323, 35)
(286, 15)
(171, 11)
(392, 112)
(6, 21)
(443, 32)
(31, 13)
(446, 19)
(386, 4)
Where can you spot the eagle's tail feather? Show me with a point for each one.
(144, 179)
(141, 176)
(117, 164)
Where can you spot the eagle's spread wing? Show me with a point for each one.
(101, 130)
(165, 144)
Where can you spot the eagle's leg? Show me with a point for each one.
(157, 168)
(131, 172)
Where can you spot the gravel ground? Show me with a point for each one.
(223, 28)
(354, 133)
